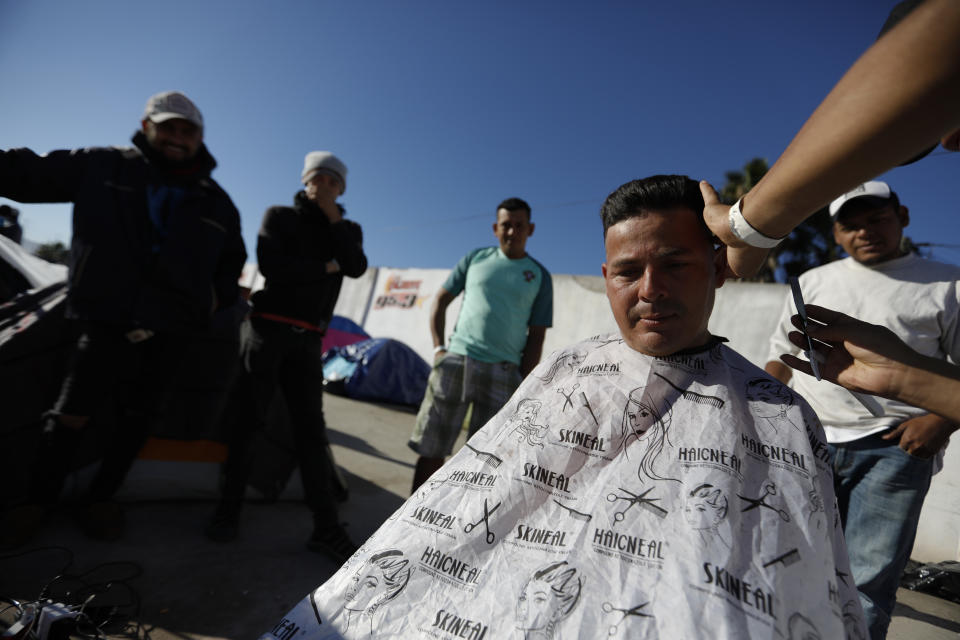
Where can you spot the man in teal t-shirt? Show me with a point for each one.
(507, 307)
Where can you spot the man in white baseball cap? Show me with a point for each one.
(156, 252)
(882, 465)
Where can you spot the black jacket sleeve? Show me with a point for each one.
(54, 177)
(348, 248)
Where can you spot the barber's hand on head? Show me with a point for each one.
(852, 353)
(743, 260)
(922, 436)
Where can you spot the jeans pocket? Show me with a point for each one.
(918, 459)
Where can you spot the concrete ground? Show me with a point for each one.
(178, 585)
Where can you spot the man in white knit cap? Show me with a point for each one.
(303, 251)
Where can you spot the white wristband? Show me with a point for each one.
(437, 350)
(744, 231)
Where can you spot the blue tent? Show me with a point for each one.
(377, 369)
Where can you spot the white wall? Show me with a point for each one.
(395, 303)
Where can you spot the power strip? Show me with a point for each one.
(56, 621)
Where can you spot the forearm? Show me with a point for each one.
(931, 384)
(532, 350)
(349, 249)
(900, 97)
(437, 326)
(28, 177)
(438, 316)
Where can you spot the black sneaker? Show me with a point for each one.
(333, 541)
(225, 525)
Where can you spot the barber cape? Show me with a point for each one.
(615, 495)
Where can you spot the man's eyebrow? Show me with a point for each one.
(665, 252)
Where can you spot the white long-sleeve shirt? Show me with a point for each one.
(917, 299)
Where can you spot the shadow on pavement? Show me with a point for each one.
(176, 583)
(907, 611)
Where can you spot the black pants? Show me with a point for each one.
(105, 364)
(278, 356)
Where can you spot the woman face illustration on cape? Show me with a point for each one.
(380, 579)
(705, 507)
(546, 599)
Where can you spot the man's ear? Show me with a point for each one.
(603, 270)
(720, 265)
(904, 215)
(530, 233)
(143, 125)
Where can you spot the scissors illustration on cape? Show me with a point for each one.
(640, 499)
(567, 401)
(625, 613)
(769, 489)
(470, 526)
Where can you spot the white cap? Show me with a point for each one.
(872, 189)
(169, 105)
(323, 161)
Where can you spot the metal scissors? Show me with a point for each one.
(626, 613)
(485, 520)
(769, 489)
(632, 499)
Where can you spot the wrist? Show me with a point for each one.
(438, 349)
(923, 381)
(745, 232)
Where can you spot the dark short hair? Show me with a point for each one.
(514, 204)
(656, 193)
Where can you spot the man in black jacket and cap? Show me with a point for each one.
(303, 251)
(156, 251)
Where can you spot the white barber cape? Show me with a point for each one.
(615, 495)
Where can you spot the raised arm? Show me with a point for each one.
(900, 97)
(54, 177)
(348, 248)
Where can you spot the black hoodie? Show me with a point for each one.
(293, 248)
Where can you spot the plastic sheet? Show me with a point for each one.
(377, 369)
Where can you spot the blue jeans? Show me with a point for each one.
(880, 490)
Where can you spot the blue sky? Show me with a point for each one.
(442, 109)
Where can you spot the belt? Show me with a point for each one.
(291, 321)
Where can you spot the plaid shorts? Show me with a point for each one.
(456, 383)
